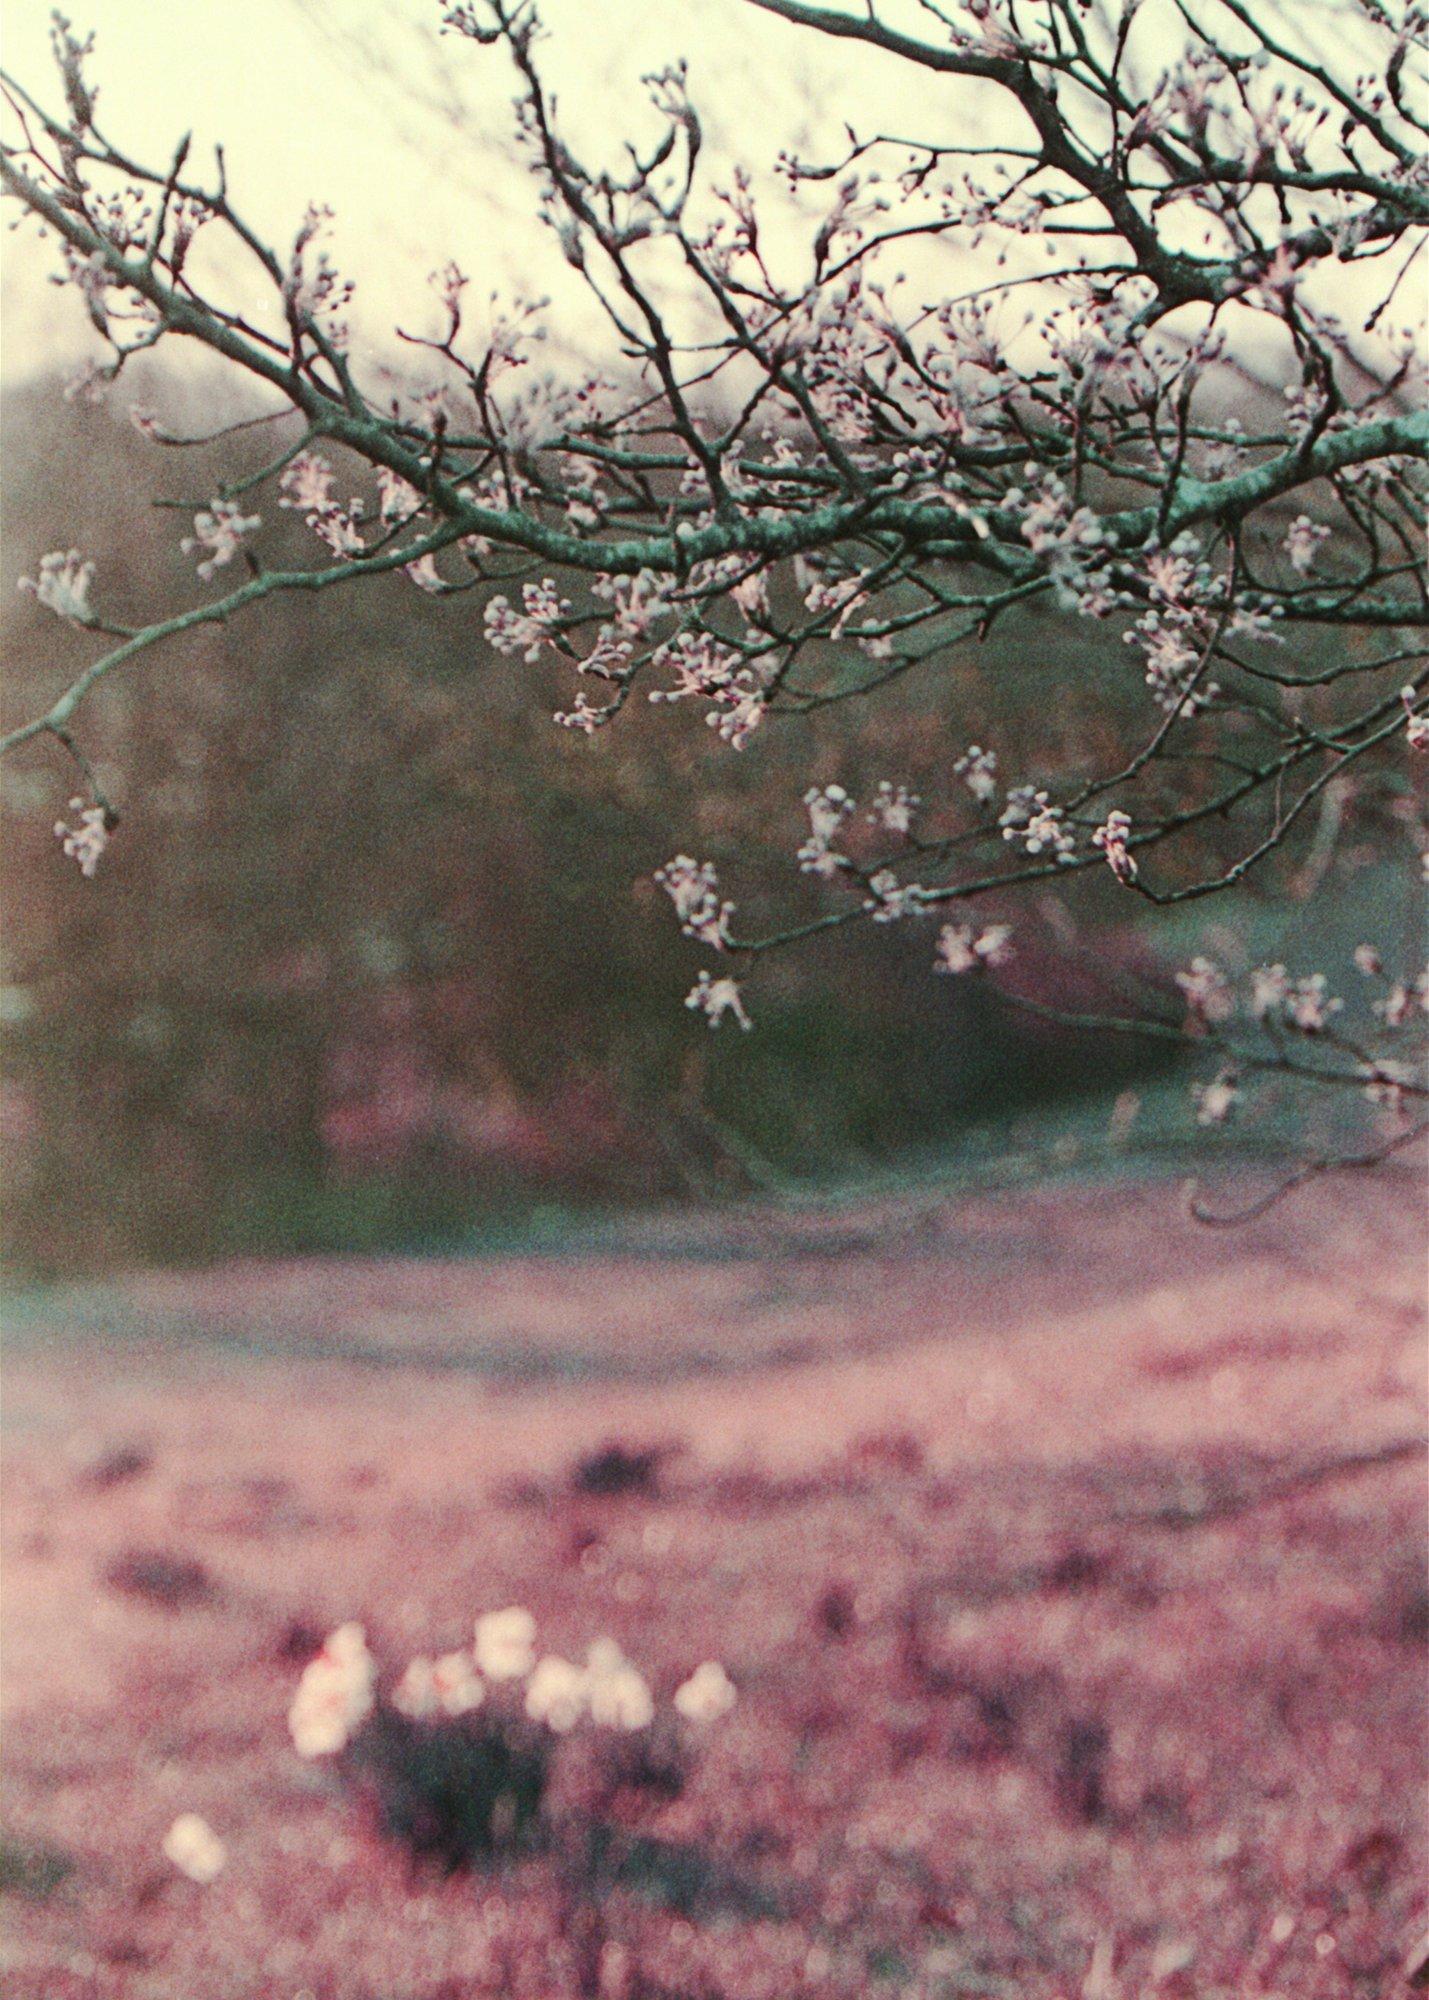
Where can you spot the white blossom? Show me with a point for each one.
(888, 899)
(556, 1694)
(1111, 837)
(976, 768)
(1307, 1005)
(195, 1849)
(717, 997)
(961, 948)
(1207, 991)
(305, 483)
(63, 585)
(219, 530)
(1302, 543)
(446, 1686)
(693, 887)
(1269, 985)
(615, 1690)
(828, 807)
(505, 1643)
(335, 1694)
(708, 1694)
(1215, 1100)
(86, 842)
(1039, 826)
(893, 808)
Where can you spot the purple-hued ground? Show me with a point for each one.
(1068, 1559)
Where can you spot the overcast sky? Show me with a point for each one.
(361, 104)
(405, 132)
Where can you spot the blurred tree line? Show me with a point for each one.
(375, 954)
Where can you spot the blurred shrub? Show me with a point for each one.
(375, 953)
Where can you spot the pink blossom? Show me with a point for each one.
(717, 997)
(1208, 994)
(1397, 1006)
(1216, 1100)
(219, 529)
(1307, 1006)
(1302, 543)
(893, 808)
(1111, 838)
(305, 483)
(526, 631)
(63, 585)
(587, 716)
(1416, 725)
(693, 887)
(961, 948)
(86, 842)
(976, 768)
(397, 500)
(1386, 1082)
(340, 529)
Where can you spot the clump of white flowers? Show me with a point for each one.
(1302, 543)
(893, 808)
(449, 1685)
(338, 1690)
(556, 1694)
(889, 899)
(504, 1645)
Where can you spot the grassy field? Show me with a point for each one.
(1067, 1558)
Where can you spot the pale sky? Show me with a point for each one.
(405, 133)
(360, 104)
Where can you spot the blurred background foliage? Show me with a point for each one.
(375, 960)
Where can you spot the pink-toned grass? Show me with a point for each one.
(1069, 1562)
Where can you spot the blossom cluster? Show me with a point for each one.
(693, 887)
(218, 534)
(337, 1692)
(85, 842)
(63, 585)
